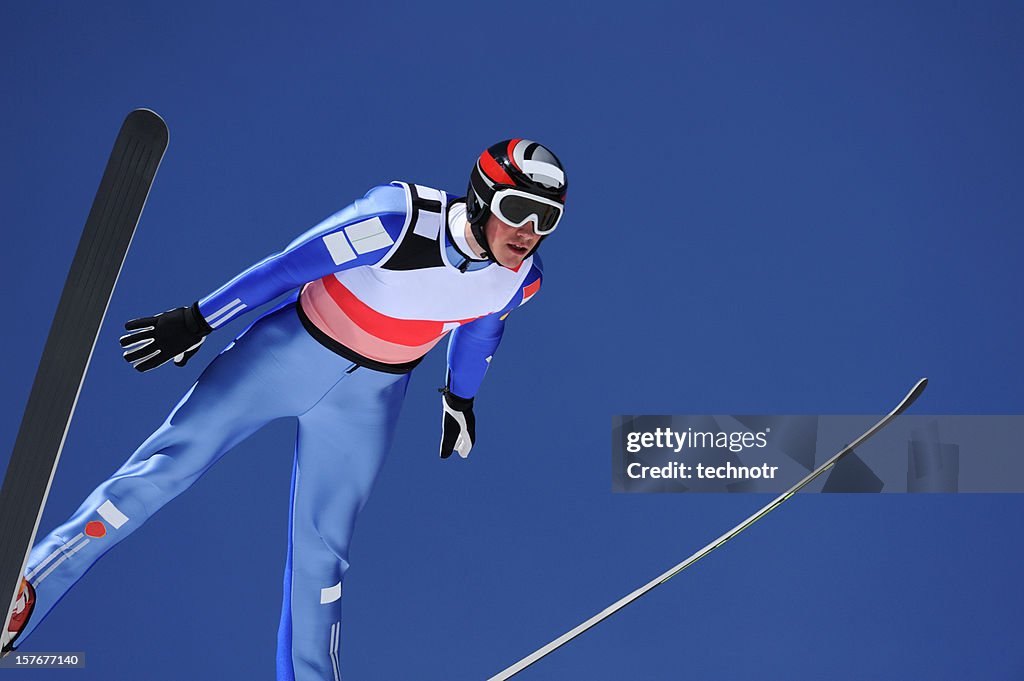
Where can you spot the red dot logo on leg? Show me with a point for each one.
(96, 529)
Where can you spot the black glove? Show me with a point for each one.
(175, 334)
(458, 425)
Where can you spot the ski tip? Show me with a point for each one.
(142, 113)
(914, 393)
(148, 123)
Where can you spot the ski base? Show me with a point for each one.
(108, 232)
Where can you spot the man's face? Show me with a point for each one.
(509, 244)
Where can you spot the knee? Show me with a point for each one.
(152, 478)
(336, 535)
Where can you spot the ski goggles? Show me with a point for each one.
(515, 208)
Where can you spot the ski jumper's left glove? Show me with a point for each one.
(175, 334)
(458, 425)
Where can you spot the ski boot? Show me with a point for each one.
(23, 606)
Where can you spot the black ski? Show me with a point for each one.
(83, 303)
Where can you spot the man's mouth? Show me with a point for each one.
(519, 250)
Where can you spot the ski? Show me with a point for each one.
(108, 231)
(903, 405)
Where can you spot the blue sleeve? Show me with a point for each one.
(361, 234)
(472, 345)
(469, 353)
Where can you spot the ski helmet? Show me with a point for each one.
(525, 178)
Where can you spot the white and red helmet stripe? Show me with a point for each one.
(537, 163)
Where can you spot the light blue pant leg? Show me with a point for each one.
(342, 444)
(273, 369)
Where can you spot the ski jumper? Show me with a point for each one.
(375, 287)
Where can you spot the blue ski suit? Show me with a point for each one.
(374, 287)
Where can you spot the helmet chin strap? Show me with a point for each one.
(477, 229)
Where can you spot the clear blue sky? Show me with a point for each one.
(799, 208)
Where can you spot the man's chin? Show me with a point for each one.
(516, 257)
(511, 260)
